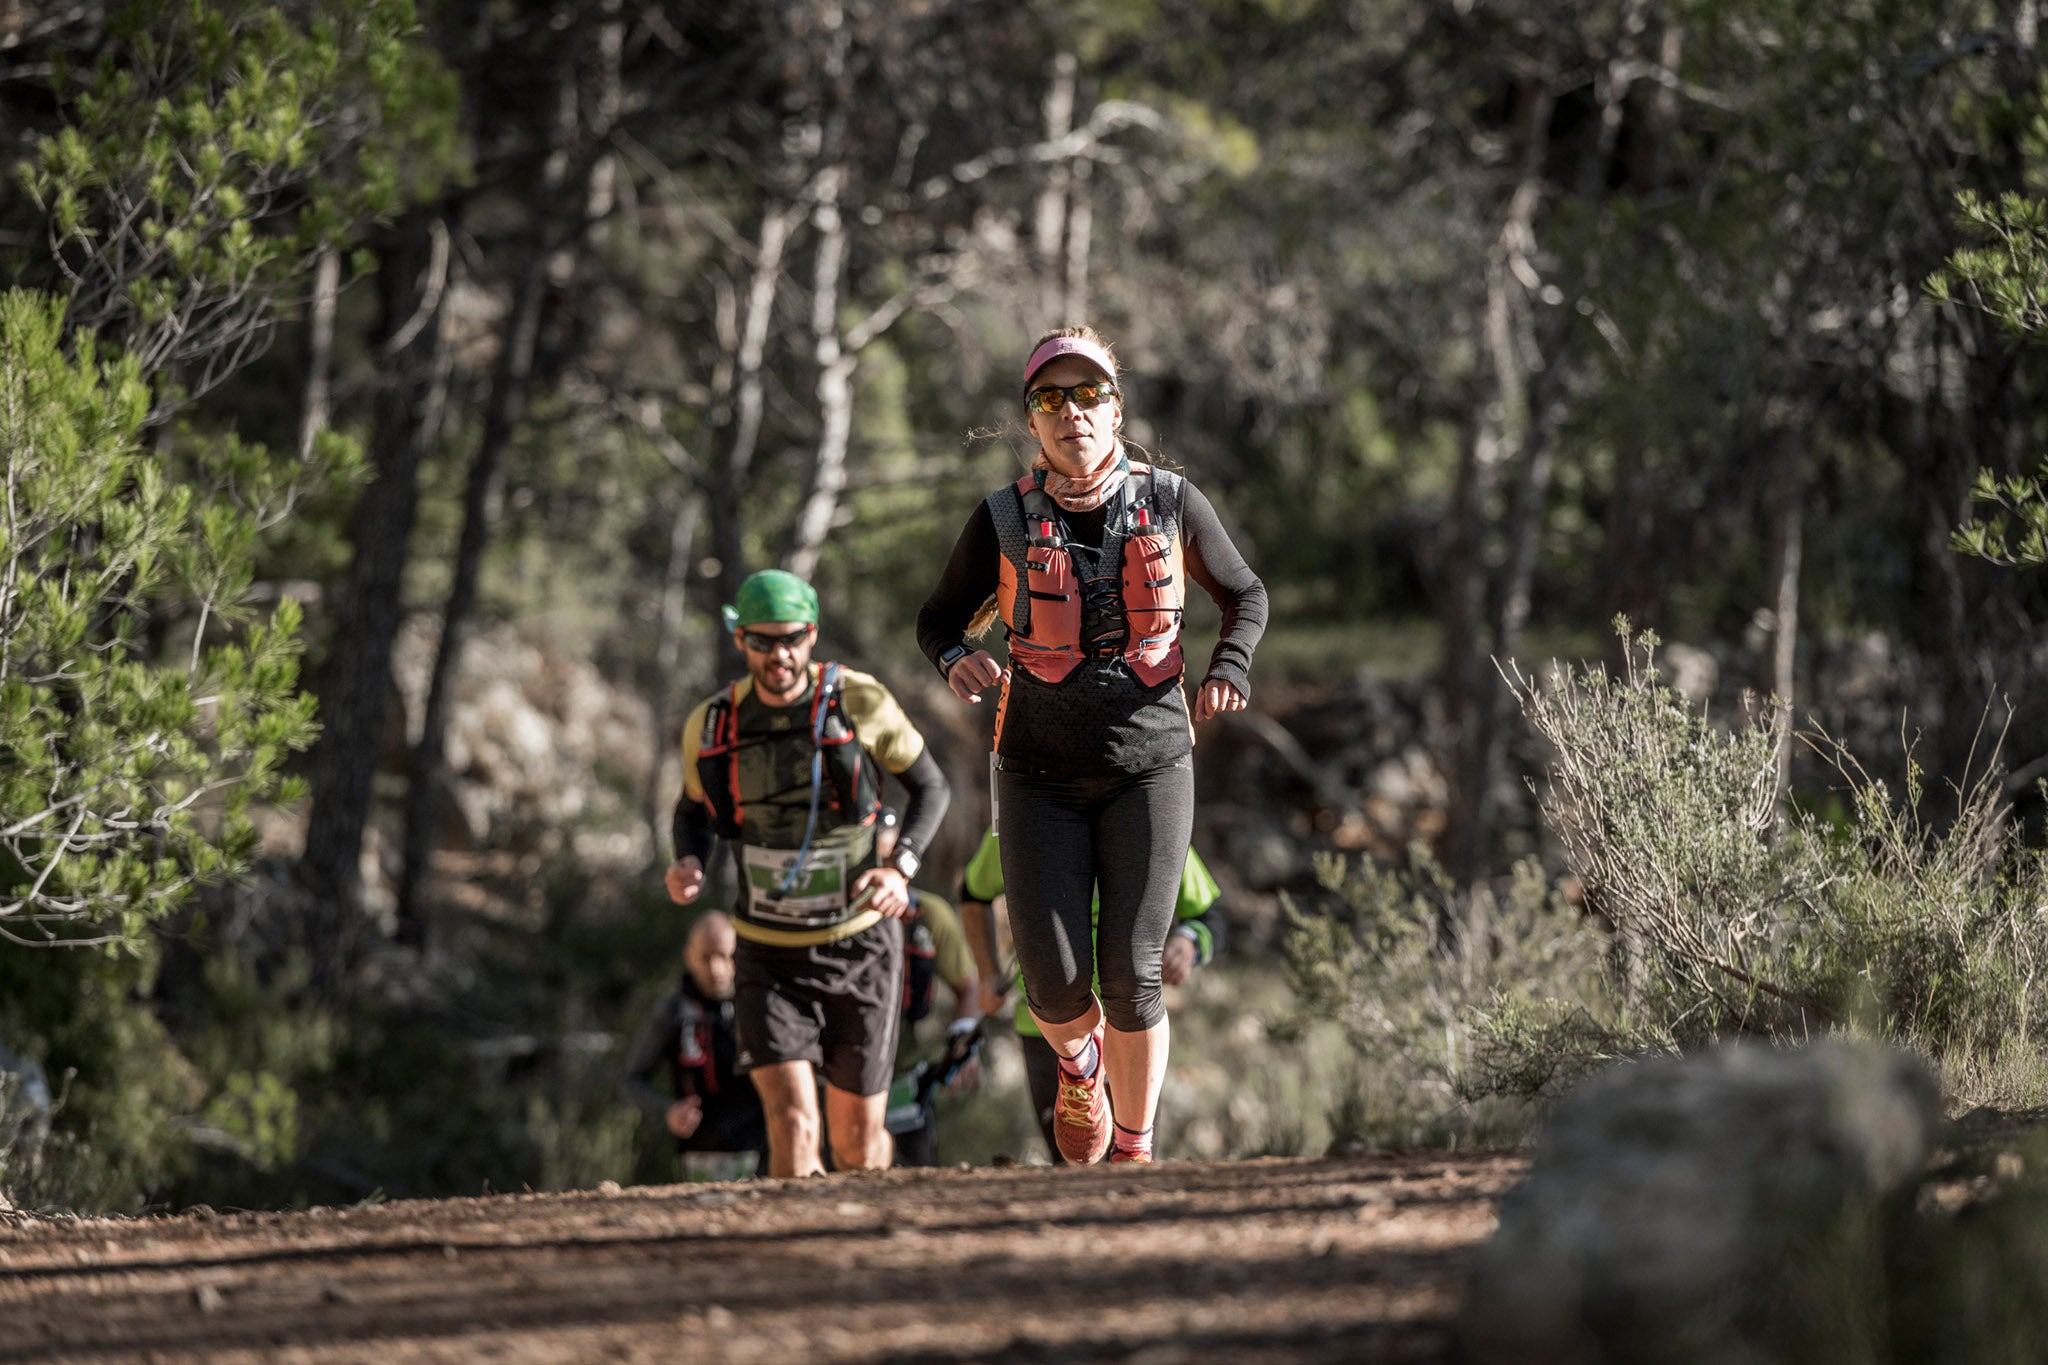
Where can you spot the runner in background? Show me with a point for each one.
(936, 952)
(712, 1111)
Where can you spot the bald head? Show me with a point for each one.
(707, 955)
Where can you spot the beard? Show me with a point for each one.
(775, 678)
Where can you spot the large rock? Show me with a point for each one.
(542, 747)
(1724, 1207)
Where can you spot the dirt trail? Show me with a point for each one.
(1273, 1260)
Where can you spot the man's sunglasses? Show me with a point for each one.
(762, 643)
(1050, 398)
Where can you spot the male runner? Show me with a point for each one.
(786, 766)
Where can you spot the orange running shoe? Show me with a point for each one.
(1080, 1116)
(1142, 1158)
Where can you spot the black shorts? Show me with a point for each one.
(835, 1005)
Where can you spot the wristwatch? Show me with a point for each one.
(953, 656)
(906, 862)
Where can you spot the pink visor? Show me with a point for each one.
(1054, 347)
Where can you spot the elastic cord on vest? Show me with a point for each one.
(827, 678)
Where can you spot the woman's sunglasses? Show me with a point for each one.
(1050, 398)
(762, 643)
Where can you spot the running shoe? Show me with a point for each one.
(1081, 1114)
(1141, 1158)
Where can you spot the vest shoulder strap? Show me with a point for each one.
(1164, 492)
(831, 684)
(721, 721)
(1013, 539)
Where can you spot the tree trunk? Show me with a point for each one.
(1631, 524)
(1472, 831)
(1649, 143)
(726, 488)
(1510, 349)
(314, 409)
(482, 494)
(1545, 346)
(834, 383)
(1611, 90)
(1785, 521)
(1525, 534)
(1464, 601)
(675, 602)
(1049, 223)
(412, 281)
(607, 103)
(1080, 234)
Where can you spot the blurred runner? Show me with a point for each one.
(712, 1111)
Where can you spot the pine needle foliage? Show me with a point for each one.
(213, 151)
(2004, 274)
(124, 780)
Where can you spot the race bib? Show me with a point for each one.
(816, 895)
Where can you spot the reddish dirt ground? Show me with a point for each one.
(1256, 1261)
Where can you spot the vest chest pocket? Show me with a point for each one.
(1055, 623)
(1152, 591)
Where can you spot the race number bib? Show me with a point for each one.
(816, 895)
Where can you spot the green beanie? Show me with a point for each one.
(772, 595)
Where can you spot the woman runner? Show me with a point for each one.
(1086, 559)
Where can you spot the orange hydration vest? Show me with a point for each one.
(1039, 586)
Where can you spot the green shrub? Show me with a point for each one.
(1927, 933)
(1418, 976)
(1672, 825)
(1941, 931)
(120, 1082)
(1709, 910)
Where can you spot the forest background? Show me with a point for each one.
(391, 396)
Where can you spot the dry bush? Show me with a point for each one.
(1917, 921)
(1414, 972)
(1709, 909)
(1672, 825)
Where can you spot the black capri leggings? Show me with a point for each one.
(1065, 838)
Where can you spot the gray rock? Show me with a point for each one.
(1723, 1207)
(1689, 671)
(1264, 854)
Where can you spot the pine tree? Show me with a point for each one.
(124, 781)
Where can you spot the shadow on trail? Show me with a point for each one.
(1144, 1197)
(658, 1290)
(1386, 1341)
(1169, 1209)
